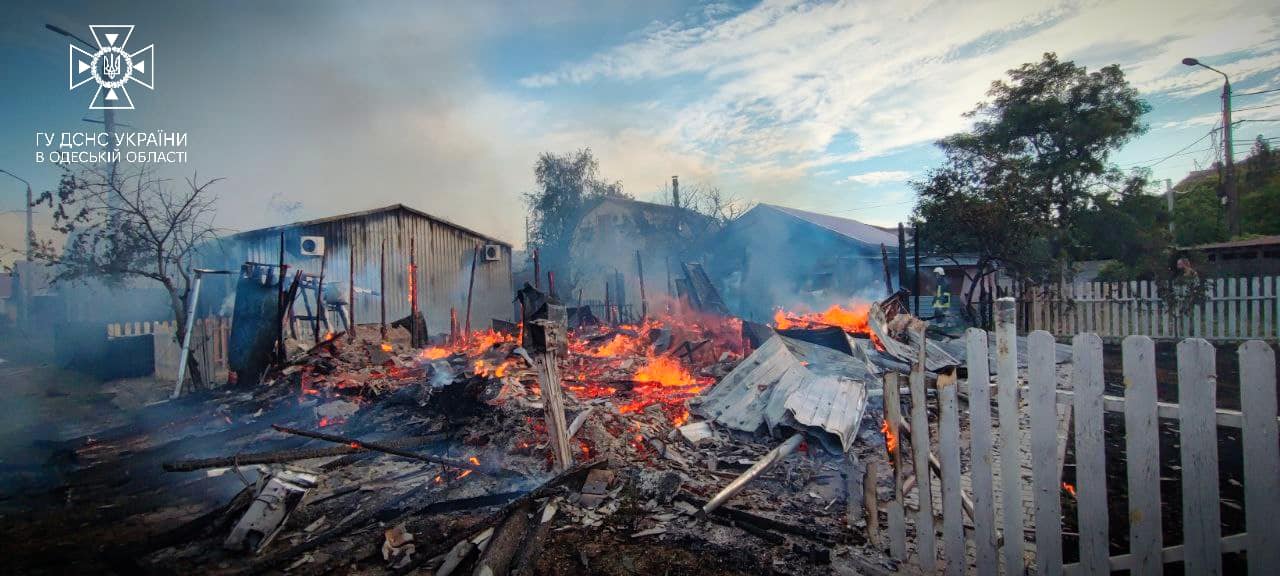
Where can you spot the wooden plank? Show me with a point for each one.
(1198, 434)
(1132, 303)
(1232, 291)
(1218, 293)
(1010, 434)
(1261, 456)
(1267, 295)
(1142, 453)
(897, 517)
(1091, 472)
(926, 547)
(980, 450)
(1197, 328)
(1045, 478)
(1255, 315)
(949, 457)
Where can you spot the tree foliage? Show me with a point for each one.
(129, 224)
(1010, 190)
(565, 184)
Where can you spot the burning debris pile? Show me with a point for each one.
(364, 454)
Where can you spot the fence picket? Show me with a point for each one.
(1233, 292)
(980, 451)
(1255, 316)
(1142, 451)
(1045, 480)
(1091, 472)
(1010, 435)
(1261, 455)
(926, 546)
(1197, 385)
(897, 518)
(949, 457)
(1267, 295)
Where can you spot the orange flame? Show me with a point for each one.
(386, 347)
(1070, 488)
(851, 319)
(890, 438)
(434, 353)
(664, 371)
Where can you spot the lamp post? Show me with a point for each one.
(1233, 200)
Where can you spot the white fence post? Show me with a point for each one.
(984, 512)
(1045, 480)
(1010, 434)
(1142, 451)
(1261, 456)
(926, 547)
(1197, 386)
(1091, 473)
(949, 458)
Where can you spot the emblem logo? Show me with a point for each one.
(112, 67)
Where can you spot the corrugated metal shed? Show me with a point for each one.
(443, 250)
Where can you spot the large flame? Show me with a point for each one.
(850, 319)
(890, 438)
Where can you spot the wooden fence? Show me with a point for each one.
(1233, 309)
(995, 540)
(208, 342)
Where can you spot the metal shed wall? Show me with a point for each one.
(443, 251)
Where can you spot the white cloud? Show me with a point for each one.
(879, 177)
(785, 78)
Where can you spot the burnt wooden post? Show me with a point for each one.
(321, 313)
(537, 270)
(888, 279)
(471, 286)
(283, 269)
(608, 306)
(382, 287)
(644, 301)
(413, 294)
(351, 292)
(544, 336)
(551, 283)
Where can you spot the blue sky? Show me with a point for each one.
(445, 106)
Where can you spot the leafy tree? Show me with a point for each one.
(565, 183)
(1010, 189)
(129, 224)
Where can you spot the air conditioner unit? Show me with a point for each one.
(311, 246)
(492, 252)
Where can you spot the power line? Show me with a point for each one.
(1256, 93)
(1179, 152)
(1255, 108)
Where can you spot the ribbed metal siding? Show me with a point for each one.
(443, 254)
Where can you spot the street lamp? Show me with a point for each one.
(31, 235)
(1233, 204)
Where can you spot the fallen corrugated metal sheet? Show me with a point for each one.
(936, 359)
(793, 384)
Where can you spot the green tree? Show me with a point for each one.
(565, 183)
(1010, 189)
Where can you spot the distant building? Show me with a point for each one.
(610, 234)
(444, 252)
(1249, 257)
(774, 256)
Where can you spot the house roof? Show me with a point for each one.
(1246, 243)
(847, 227)
(668, 209)
(370, 212)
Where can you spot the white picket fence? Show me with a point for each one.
(994, 540)
(1234, 309)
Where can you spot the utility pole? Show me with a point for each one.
(1168, 199)
(31, 234)
(1229, 170)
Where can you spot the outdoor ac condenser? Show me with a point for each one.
(492, 252)
(311, 245)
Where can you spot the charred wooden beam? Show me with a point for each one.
(277, 456)
(462, 465)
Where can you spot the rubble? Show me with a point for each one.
(439, 458)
